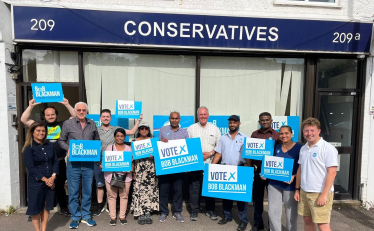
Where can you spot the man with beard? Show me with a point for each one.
(229, 147)
(171, 132)
(106, 133)
(53, 134)
(265, 132)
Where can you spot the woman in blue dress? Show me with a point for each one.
(278, 191)
(42, 164)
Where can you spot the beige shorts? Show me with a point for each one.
(308, 207)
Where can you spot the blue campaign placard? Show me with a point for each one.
(178, 156)
(128, 109)
(122, 122)
(277, 168)
(117, 161)
(143, 148)
(255, 149)
(292, 121)
(228, 182)
(221, 121)
(47, 92)
(84, 150)
(163, 120)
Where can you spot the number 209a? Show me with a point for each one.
(345, 37)
(42, 24)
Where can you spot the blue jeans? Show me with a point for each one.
(77, 171)
(242, 210)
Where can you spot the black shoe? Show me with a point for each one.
(242, 226)
(29, 218)
(141, 220)
(148, 218)
(257, 228)
(224, 221)
(113, 222)
(100, 209)
(193, 216)
(211, 214)
(123, 221)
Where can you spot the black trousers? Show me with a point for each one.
(195, 180)
(165, 183)
(60, 185)
(259, 186)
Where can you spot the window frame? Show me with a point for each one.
(308, 3)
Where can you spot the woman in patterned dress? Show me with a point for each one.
(145, 198)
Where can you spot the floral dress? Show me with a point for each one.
(145, 197)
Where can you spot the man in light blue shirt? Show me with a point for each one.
(229, 147)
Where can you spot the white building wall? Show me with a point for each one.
(9, 164)
(355, 10)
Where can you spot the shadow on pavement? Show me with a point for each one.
(57, 221)
(358, 214)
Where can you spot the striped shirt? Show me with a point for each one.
(209, 136)
(106, 137)
(72, 130)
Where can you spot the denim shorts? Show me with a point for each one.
(99, 176)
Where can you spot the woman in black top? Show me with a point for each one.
(42, 164)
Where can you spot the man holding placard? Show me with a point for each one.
(259, 185)
(209, 135)
(229, 147)
(318, 163)
(54, 130)
(79, 128)
(106, 133)
(171, 132)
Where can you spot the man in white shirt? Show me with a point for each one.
(318, 163)
(209, 135)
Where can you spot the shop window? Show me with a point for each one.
(162, 82)
(249, 86)
(50, 66)
(337, 73)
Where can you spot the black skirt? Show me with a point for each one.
(40, 194)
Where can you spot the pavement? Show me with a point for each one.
(351, 217)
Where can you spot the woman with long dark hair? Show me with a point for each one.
(145, 198)
(42, 164)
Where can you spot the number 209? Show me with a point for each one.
(42, 24)
(343, 37)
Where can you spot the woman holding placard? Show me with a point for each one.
(42, 163)
(145, 198)
(284, 191)
(112, 191)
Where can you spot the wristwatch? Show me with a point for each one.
(297, 189)
(211, 153)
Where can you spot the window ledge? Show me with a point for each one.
(312, 4)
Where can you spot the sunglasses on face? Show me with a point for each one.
(143, 128)
(81, 110)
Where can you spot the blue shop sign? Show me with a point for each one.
(47, 92)
(84, 150)
(117, 161)
(277, 168)
(228, 182)
(177, 156)
(188, 31)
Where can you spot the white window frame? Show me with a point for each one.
(308, 3)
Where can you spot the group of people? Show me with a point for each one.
(309, 193)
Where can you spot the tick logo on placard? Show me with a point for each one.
(314, 154)
(41, 92)
(274, 164)
(78, 149)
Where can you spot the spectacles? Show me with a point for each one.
(143, 128)
(81, 110)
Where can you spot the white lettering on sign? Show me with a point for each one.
(278, 122)
(42, 24)
(78, 149)
(252, 143)
(172, 148)
(41, 92)
(142, 144)
(345, 37)
(187, 30)
(222, 173)
(126, 105)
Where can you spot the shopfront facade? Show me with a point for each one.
(179, 60)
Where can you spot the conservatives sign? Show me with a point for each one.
(255, 149)
(178, 156)
(182, 30)
(228, 182)
(84, 150)
(47, 92)
(277, 168)
(292, 121)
